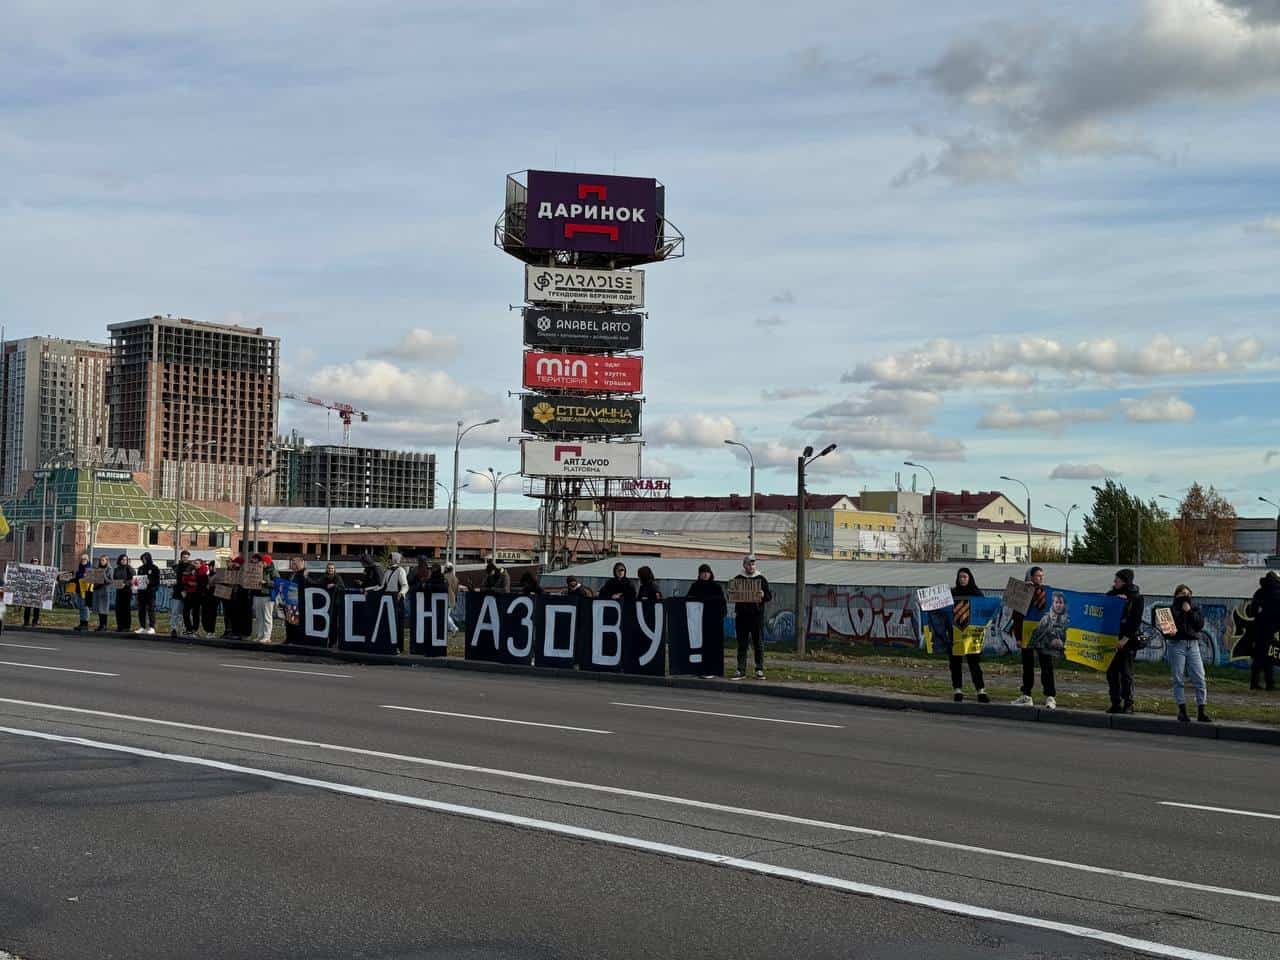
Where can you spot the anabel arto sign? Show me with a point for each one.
(589, 212)
(573, 330)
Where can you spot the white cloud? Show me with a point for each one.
(771, 321)
(1006, 417)
(1158, 408)
(783, 297)
(697, 430)
(663, 467)
(381, 385)
(791, 393)
(1037, 89)
(1081, 471)
(1269, 225)
(418, 345)
(775, 455)
(917, 406)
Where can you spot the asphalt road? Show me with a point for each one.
(173, 801)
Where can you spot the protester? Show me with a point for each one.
(31, 615)
(1185, 656)
(122, 577)
(184, 601)
(208, 602)
(374, 575)
(237, 610)
(529, 585)
(147, 595)
(263, 605)
(81, 581)
(1120, 673)
(1263, 629)
(496, 579)
(421, 574)
(648, 592)
(395, 581)
(705, 588)
(966, 586)
(749, 619)
(293, 621)
(336, 588)
(618, 587)
(455, 588)
(573, 587)
(102, 595)
(1030, 655)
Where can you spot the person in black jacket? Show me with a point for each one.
(573, 587)
(1264, 631)
(529, 585)
(336, 588)
(122, 577)
(749, 618)
(1120, 673)
(147, 595)
(208, 602)
(965, 586)
(705, 589)
(648, 592)
(1184, 653)
(1031, 656)
(618, 587)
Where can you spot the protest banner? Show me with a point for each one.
(285, 592)
(30, 585)
(1164, 621)
(966, 624)
(224, 583)
(251, 574)
(1083, 627)
(933, 598)
(138, 583)
(695, 637)
(745, 590)
(1018, 595)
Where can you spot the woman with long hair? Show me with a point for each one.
(965, 586)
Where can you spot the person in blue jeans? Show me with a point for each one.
(1184, 654)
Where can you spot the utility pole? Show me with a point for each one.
(802, 543)
(1028, 518)
(935, 541)
(751, 516)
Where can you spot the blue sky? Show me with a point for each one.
(992, 237)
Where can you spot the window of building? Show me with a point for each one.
(986, 549)
(964, 548)
(153, 536)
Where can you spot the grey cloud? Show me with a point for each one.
(1081, 471)
(1267, 225)
(790, 393)
(906, 404)
(773, 320)
(1270, 455)
(783, 297)
(1255, 11)
(1006, 417)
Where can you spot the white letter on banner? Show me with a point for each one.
(575, 209)
(637, 214)
(313, 611)
(599, 628)
(591, 211)
(386, 604)
(527, 620)
(349, 602)
(544, 211)
(654, 635)
(487, 622)
(561, 211)
(693, 616)
(606, 213)
(549, 614)
(430, 608)
(624, 213)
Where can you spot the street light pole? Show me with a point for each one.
(1066, 527)
(802, 547)
(183, 453)
(751, 517)
(1277, 506)
(453, 499)
(934, 544)
(1028, 492)
(495, 480)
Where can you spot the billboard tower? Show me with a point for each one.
(581, 237)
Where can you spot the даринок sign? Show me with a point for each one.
(591, 212)
(604, 288)
(579, 416)
(552, 329)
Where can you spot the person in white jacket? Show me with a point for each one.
(396, 581)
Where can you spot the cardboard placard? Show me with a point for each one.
(98, 576)
(745, 590)
(251, 574)
(1165, 622)
(1018, 595)
(934, 598)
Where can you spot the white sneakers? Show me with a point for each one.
(1023, 701)
(1051, 703)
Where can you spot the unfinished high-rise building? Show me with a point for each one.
(335, 476)
(200, 399)
(53, 393)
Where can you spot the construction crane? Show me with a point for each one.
(344, 410)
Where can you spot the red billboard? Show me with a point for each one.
(575, 371)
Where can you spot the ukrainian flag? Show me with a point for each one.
(4, 524)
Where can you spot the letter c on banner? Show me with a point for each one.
(599, 628)
(693, 616)
(654, 634)
(527, 620)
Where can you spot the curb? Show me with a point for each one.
(1143, 723)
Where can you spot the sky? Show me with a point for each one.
(993, 237)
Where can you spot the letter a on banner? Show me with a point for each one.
(430, 634)
(695, 632)
(484, 629)
(644, 647)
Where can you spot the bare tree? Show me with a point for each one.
(1206, 527)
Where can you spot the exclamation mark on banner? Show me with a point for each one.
(693, 615)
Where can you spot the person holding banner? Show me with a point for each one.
(965, 586)
(573, 587)
(81, 585)
(208, 600)
(750, 592)
(648, 592)
(102, 593)
(147, 594)
(1184, 654)
(1039, 601)
(264, 606)
(336, 588)
(1263, 631)
(31, 615)
(709, 593)
(122, 577)
(183, 601)
(618, 587)
(1120, 673)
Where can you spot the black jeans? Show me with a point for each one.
(209, 612)
(1262, 670)
(191, 611)
(146, 609)
(30, 616)
(124, 609)
(975, 670)
(1120, 676)
(749, 633)
(1029, 657)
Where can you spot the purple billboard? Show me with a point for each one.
(594, 213)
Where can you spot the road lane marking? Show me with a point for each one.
(308, 673)
(28, 646)
(1238, 813)
(663, 798)
(733, 716)
(470, 716)
(40, 666)
(952, 907)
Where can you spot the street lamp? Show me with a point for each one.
(751, 522)
(933, 499)
(1100, 492)
(328, 516)
(1277, 506)
(802, 461)
(1066, 528)
(1028, 492)
(183, 453)
(453, 500)
(495, 480)
(52, 457)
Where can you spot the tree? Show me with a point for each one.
(1115, 510)
(916, 541)
(1040, 554)
(787, 545)
(1205, 527)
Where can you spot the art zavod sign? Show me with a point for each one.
(608, 288)
(677, 635)
(592, 212)
(579, 416)
(541, 458)
(569, 330)
(570, 371)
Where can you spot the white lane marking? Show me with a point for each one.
(648, 846)
(39, 666)
(663, 798)
(733, 716)
(27, 646)
(469, 716)
(308, 673)
(1238, 813)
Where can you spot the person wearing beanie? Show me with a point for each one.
(1030, 654)
(1264, 631)
(749, 619)
(264, 608)
(147, 595)
(706, 590)
(1120, 673)
(966, 586)
(1184, 654)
